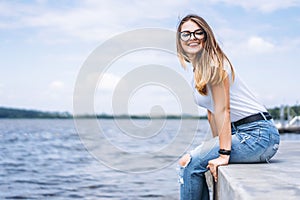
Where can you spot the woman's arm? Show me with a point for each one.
(211, 120)
(220, 94)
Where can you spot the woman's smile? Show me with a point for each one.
(194, 44)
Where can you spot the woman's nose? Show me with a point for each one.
(192, 36)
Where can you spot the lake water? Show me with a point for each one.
(54, 159)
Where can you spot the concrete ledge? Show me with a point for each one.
(280, 179)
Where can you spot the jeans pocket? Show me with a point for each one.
(249, 139)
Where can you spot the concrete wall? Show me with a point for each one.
(279, 179)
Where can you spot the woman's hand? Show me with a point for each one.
(213, 165)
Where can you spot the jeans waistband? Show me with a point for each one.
(252, 118)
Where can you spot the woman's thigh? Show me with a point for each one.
(253, 142)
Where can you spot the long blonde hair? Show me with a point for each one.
(209, 68)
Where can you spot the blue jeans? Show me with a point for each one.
(251, 143)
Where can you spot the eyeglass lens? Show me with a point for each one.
(186, 35)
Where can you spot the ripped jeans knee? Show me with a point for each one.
(183, 162)
(191, 177)
(193, 164)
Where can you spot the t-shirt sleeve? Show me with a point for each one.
(227, 68)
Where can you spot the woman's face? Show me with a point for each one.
(191, 38)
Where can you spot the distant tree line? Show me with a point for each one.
(291, 111)
(23, 113)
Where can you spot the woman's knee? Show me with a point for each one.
(184, 160)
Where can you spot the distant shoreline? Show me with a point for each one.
(16, 113)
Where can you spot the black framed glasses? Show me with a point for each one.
(186, 35)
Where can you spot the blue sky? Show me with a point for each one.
(44, 44)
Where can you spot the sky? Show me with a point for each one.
(44, 45)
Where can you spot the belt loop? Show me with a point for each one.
(232, 125)
(262, 114)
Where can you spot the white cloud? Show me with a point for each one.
(56, 85)
(89, 21)
(265, 6)
(157, 96)
(58, 95)
(108, 82)
(259, 45)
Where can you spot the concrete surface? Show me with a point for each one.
(279, 179)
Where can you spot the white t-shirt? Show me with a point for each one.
(242, 101)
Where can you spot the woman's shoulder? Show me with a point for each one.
(227, 66)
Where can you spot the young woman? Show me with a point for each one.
(243, 130)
